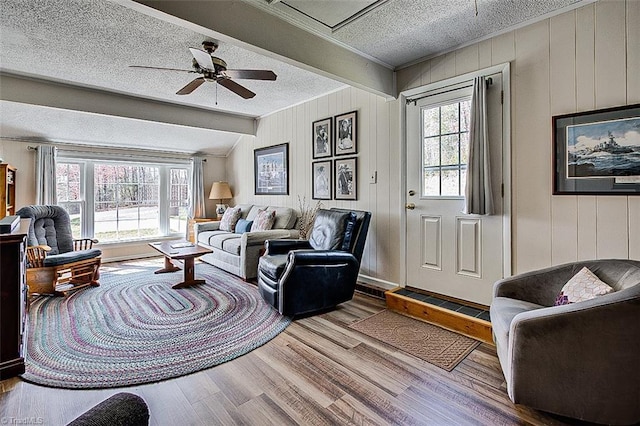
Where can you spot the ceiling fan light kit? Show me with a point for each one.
(214, 69)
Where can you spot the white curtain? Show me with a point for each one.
(46, 175)
(197, 204)
(478, 196)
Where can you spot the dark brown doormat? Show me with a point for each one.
(440, 347)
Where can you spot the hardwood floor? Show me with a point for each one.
(317, 372)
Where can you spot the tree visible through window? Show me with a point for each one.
(68, 185)
(123, 201)
(178, 200)
(445, 132)
(126, 202)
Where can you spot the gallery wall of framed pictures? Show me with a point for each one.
(335, 146)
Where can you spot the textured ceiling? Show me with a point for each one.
(397, 32)
(41, 124)
(93, 42)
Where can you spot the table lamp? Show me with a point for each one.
(220, 191)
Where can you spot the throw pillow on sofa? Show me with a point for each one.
(243, 226)
(584, 285)
(229, 219)
(264, 221)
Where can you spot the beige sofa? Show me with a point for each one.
(239, 253)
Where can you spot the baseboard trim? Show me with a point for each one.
(387, 285)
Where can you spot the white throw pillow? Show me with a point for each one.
(584, 285)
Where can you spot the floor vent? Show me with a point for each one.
(371, 290)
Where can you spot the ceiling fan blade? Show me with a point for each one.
(236, 88)
(203, 59)
(191, 86)
(159, 68)
(251, 74)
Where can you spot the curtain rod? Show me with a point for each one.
(33, 148)
(489, 82)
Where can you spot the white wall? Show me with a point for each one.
(581, 60)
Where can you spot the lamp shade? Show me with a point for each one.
(220, 191)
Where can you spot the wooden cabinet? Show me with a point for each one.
(7, 190)
(13, 300)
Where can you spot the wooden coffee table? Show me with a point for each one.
(180, 250)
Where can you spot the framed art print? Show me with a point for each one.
(321, 138)
(346, 134)
(597, 152)
(346, 176)
(271, 170)
(322, 180)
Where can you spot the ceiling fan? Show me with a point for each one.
(215, 70)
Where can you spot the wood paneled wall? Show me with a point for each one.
(581, 60)
(378, 150)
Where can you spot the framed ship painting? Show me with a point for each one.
(597, 152)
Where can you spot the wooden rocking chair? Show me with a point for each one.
(58, 264)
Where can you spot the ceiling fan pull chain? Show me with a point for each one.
(216, 93)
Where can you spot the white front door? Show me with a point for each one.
(449, 252)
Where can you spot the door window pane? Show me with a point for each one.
(445, 148)
(432, 182)
(449, 119)
(431, 154)
(431, 122)
(450, 150)
(451, 182)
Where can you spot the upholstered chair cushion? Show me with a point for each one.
(329, 230)
(50, 225)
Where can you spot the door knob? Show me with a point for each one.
(409, 206)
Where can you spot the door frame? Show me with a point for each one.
(404, 96)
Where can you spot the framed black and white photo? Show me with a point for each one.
(321, 137)
(346, 179)
(345, 142)
(597, 152)
(271, 170)
(322, 180)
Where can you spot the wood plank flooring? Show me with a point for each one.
(317, 372)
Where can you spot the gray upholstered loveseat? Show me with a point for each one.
(579, 360)
(239, 253)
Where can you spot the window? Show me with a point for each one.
(178, 200)
(445, 133)
(115, 201)
(68, 181)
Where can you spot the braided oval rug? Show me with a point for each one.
(134, 328)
